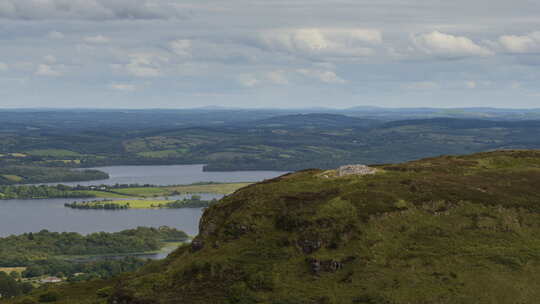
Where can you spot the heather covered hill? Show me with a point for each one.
(452, 229)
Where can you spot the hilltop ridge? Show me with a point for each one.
(450, 229)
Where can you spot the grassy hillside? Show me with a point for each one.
(453, 229)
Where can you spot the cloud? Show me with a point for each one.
(247, 80)
(55, 35)
(471, 84)
(48, 70)
(87, 9)
(145, 64)
(3, 67)
(515, 85)
(521, 44)
(277, 77)
(23, 66)
(322, 76)
(98, 39)
(49, 59)
(446, 45)
(122, 87)
(421, 85)
(181, 47)
(338, 42)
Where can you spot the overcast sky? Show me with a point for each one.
(269, 53)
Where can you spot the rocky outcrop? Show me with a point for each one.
(355, 170)
(317, 266)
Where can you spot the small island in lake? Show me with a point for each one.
(194, 201)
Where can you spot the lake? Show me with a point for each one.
(174, 175)
(21, 216)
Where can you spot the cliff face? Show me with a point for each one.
(443, 230)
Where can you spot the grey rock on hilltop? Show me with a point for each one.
(355, 170)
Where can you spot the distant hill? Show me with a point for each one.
(453, 123)
(452, 229)
(313, 120)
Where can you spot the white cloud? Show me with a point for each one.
(471, 84)
(446, 45)
(181, 47)
(122, 86)
(48, 70)
(247, 80)
(3, 67)
(145, 64)
(338, 42)
(421, 85)
(277, 77)
(323, 76)
(98, 39)
(55, 35)
(87, 9)
(515, 85)
(49, 59)
(521, 44)
(24, 66)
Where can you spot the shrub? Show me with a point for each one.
(49, 296)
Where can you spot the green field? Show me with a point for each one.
(130, 204)
(53, 153)
(13, 178)
(9, 270)
(142, 204)
(224, 189)
(102, 194)
(209, 188)
(160, 154)
(18, 155)
(144, 191)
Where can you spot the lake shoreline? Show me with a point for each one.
(19, 216)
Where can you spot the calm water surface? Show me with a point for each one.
(21, 216)
(174, 175)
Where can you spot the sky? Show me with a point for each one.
(269, 53)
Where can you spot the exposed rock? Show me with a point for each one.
(355, 170)
(197, 245)
(318, 266)
(332, 265)
(315, 266)
(310, 246)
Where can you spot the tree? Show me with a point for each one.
(8, 286)
(49, 296)
(15, 275)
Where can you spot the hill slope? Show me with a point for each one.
(463, 229)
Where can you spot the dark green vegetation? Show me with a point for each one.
(11, 287)
(71, 255)
(28, 173)
(76, 271)
(52, 253)
(60, 191)
(19, 250)
(97, 205)
(114, 191)
(250, 140)
(194, 201)
(453, 229)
